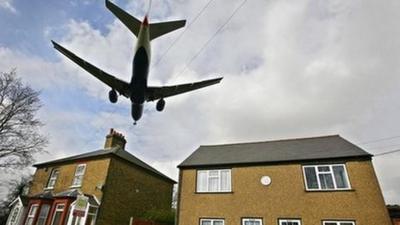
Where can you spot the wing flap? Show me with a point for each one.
(154, 93)
(121, 86)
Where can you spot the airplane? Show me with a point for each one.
(137, 89)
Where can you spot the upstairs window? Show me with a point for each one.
(53, 178)
(326, 177)
(214, 180)
(79, 173)
(339, 223)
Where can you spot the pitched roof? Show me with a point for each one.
(119, 152)
(301, 149)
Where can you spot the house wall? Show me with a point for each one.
(95, 174)
(130, 191)
(285, 197)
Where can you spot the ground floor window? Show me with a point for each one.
(251, 221)
(289, 222)
(44, 212)
(58, 214)
(339, 223)
(212, 222)
(31, 214)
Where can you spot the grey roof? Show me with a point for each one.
(301, 149)
(44, 195)
(74, 193)
(119, 152)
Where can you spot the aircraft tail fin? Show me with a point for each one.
(159, 29)
(129, 21)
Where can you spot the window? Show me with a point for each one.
(251, 221)
(57, 214)
(212, 222)
(44, 211)
(31, 214)
(52, 179)
(91, 216)
(289, 222)
(339, 223)
(214, 180)
(79, 172)
(326, 177)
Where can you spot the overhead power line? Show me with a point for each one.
(212, 37)
(184, 31)
(379, 140)
(386, 153)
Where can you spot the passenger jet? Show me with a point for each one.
(137, 89)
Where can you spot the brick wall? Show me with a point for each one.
(130, 191)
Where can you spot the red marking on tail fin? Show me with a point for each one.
(145, 21)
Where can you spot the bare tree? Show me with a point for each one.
(19, 128)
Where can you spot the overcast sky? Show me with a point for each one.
(291, 69)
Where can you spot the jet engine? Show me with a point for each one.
(113, 96)
(160, 105)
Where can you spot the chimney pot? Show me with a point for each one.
(114, 139)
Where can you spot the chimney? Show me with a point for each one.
(115, 139)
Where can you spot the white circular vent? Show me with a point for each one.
(266, 180)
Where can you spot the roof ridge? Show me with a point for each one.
(278, 140)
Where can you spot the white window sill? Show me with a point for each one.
(329, 190)
(48, 188)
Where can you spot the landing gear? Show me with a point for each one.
(134, 123)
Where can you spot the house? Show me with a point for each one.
(18, 210)
(319, 180)
(103, 187)
(394, 213)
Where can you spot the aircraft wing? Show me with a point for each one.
(154, 93)
(120, 86)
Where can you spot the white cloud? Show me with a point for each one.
(291, 69)
(8, 5)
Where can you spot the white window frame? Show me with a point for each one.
(78, 176)
(57, 210)
(30, 215)
(53, 177)
(208, 179)
(330, 172)
(281, 221)
(338, 222)
(252, 219)
(212, 221)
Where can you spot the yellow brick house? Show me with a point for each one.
(308, 181)
(103, 187)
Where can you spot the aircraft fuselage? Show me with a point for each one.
(140, 71)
